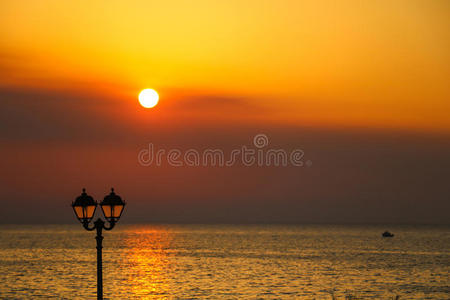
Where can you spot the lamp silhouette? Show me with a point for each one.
(84, 207)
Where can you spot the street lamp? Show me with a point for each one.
(84, 207)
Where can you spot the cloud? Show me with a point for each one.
(216, 102)
(63, 115)
(35, 116)
(54, 143)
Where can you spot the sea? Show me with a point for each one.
(156, 261)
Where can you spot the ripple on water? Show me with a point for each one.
(215, 261)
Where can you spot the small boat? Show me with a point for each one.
(387, 234)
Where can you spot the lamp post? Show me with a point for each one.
(84, 207)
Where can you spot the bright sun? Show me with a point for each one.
(148, 98)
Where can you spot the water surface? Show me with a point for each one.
(226, 262)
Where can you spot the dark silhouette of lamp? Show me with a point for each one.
(112, 207)
(84, 207)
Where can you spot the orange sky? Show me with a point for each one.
(362, 87)
(326, 63)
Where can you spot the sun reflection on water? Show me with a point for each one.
(148, 263)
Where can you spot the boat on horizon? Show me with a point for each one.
(387, 234)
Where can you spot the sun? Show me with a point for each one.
(148, 98)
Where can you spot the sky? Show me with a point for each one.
(361, 87)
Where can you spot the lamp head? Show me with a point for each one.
(112, 207)
(84, 207)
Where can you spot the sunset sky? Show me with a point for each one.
(361, 86)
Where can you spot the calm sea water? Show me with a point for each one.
(226, 262)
